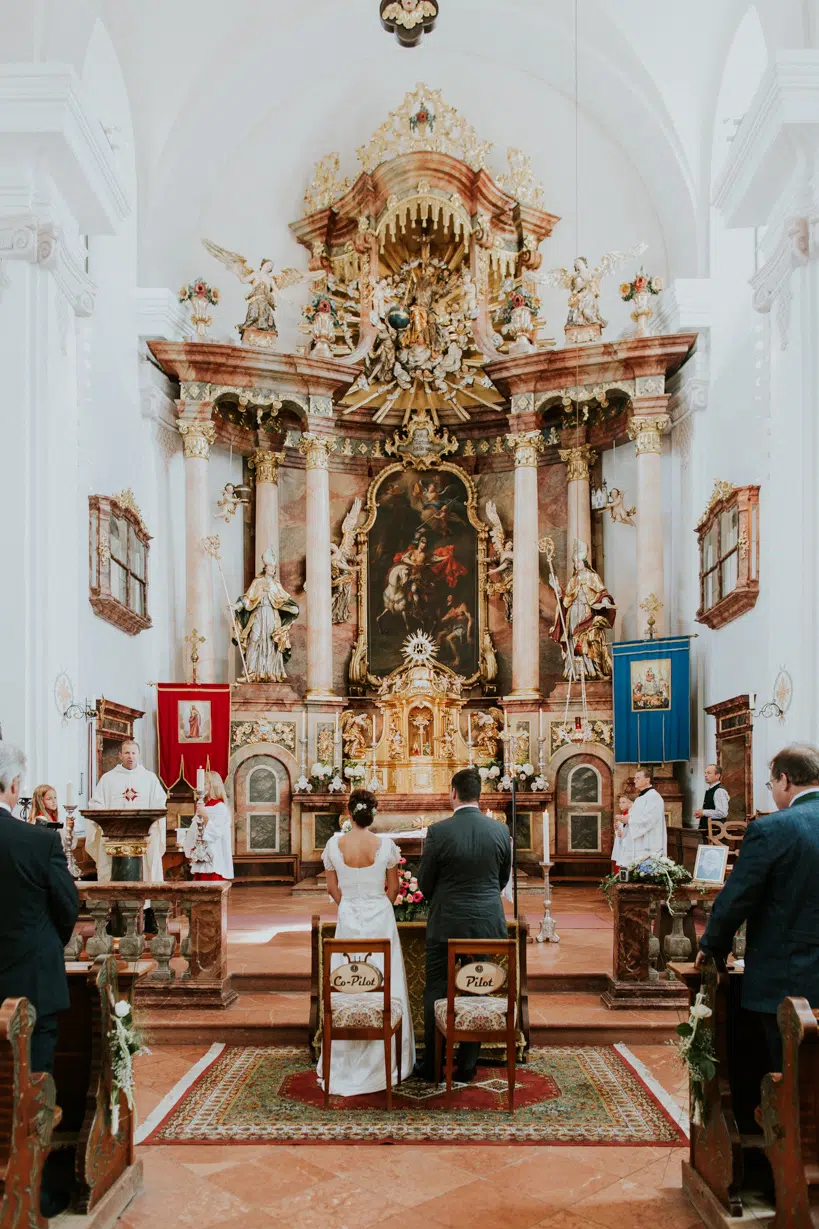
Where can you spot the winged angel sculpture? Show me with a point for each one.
(500, 582)
(344, 565)
(583, 285)
(264, 288)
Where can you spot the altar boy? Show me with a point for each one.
(127, 786)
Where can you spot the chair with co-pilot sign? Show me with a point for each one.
(357, 1004)
(480, 1004)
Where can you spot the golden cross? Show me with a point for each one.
(651, 605)
(194, 640)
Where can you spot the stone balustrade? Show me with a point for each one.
(205, 981)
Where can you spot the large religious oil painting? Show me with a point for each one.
(651, 685)
(423, 569)
(193, 720)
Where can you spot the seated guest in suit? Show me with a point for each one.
(40, 907)
(44, 807)
(466, 864)
(773, 888)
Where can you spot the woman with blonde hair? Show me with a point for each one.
(44, 806)
(209, 840)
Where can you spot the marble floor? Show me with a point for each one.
(392, 1187)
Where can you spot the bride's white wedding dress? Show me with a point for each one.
(366, 913)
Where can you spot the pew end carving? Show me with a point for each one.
(28, 1115)
(790, 1109)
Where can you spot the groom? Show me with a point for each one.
(467, 861)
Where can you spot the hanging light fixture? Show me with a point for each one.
(408, 20)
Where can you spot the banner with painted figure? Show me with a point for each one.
(193, 723)
(651, 700)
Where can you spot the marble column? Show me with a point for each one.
(197, 436)
(316, 450)
(578, 495)
(646, 430)
(526, 445)
(266, 465)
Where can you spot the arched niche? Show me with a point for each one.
(583, 808)
(261, 805)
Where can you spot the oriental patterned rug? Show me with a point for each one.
(564, 1095)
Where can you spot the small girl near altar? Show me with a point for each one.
(212, 858)
(622, 851)
(44, 807)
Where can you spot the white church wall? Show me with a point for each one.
(619, 541)
(225, 466)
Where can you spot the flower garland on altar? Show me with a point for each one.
(663, 871)
(640, 284)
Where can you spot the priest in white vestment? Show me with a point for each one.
(645, 829)
(128, 786)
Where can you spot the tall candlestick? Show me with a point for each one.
(200, 780)
(469, 727)
(546, 836)
(70, 796)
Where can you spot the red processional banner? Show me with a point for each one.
(193, 721)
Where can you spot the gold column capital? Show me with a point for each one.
(525, 445)
(578, 460)
(646, 430)
(266, 464)
(316, 449)
(198, 435)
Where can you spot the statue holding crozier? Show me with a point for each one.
(127, 838)
(586, 611)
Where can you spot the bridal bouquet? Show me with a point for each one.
(409, 903)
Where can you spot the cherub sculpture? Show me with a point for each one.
(486, 731)
(501, 575)
(229, 502)
(264, 287)
(583, 285)
(617, 509)
(356, 734)
(344, 565)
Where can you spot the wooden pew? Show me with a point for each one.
(726, 1172)
(790, 1118)
(27, 1118)
(103, 1164)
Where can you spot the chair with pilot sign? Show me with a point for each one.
(480, 1004)
(357, 1004)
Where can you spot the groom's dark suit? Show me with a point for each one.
(466, 864)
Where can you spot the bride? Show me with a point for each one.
(362, 878)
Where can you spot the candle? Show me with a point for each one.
(304, 727)
(374, 721)
(70, 796)
(539, 725)
(469, 726)
(546, 858)
(200, 780)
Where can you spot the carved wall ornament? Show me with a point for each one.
(421, 442)
(771, 284)
(316, 449)
(424, 121)
(327, 185)
(577, 461)
(647, 430)
(280, 733)
(409, 20)
(322, 406)
(722, 490)
(597, 731)
(783, 689)
(522, 403)
(344, 564)
(584, 322)
(260, 398)
(198, 435)
(520, 180)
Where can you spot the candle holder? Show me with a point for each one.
(24, 806)
(67, 837)
(201, 852)
(548, 931)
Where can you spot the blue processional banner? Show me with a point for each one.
(652, 722)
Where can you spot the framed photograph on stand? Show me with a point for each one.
(711, 864)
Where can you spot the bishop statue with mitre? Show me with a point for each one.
(128, 786)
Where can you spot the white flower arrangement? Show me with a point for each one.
(696, 1052)
(126, 1045)
(320, 770)
(336, 784)
(539, 783)
(374, 784)
(528, 769)
(303, 786)
(494, 772)
(354, 772)
(505, 782)
(483, 773)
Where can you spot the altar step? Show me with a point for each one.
(281, 1018)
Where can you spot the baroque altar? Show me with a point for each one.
(419, 473)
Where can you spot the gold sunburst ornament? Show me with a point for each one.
(419, 648)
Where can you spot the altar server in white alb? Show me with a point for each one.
(128, 786)
(211, 857)
(645, 829)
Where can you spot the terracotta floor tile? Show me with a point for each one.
(554, 1181)
(269, 1180)
(333, 1204)
(496, 1202)
(631, 1202)
(566, 1220)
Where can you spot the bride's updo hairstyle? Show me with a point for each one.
(362, 807)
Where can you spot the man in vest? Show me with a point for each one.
(716, 800)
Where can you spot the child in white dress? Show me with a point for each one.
(622, 852)
(362, 878)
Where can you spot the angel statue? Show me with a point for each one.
(265, 613)
(585, 612)
(356, 734)
(583, 285)
(617, 509)
(486, 731)
(500, 584)
(261, 298)
(343, 565)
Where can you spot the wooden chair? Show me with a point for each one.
(348, 1015)
(27, 1118)
(790, 1117)
(728, 832)
(475, 1015)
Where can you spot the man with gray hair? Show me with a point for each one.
(40, 907)
(773, 888)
